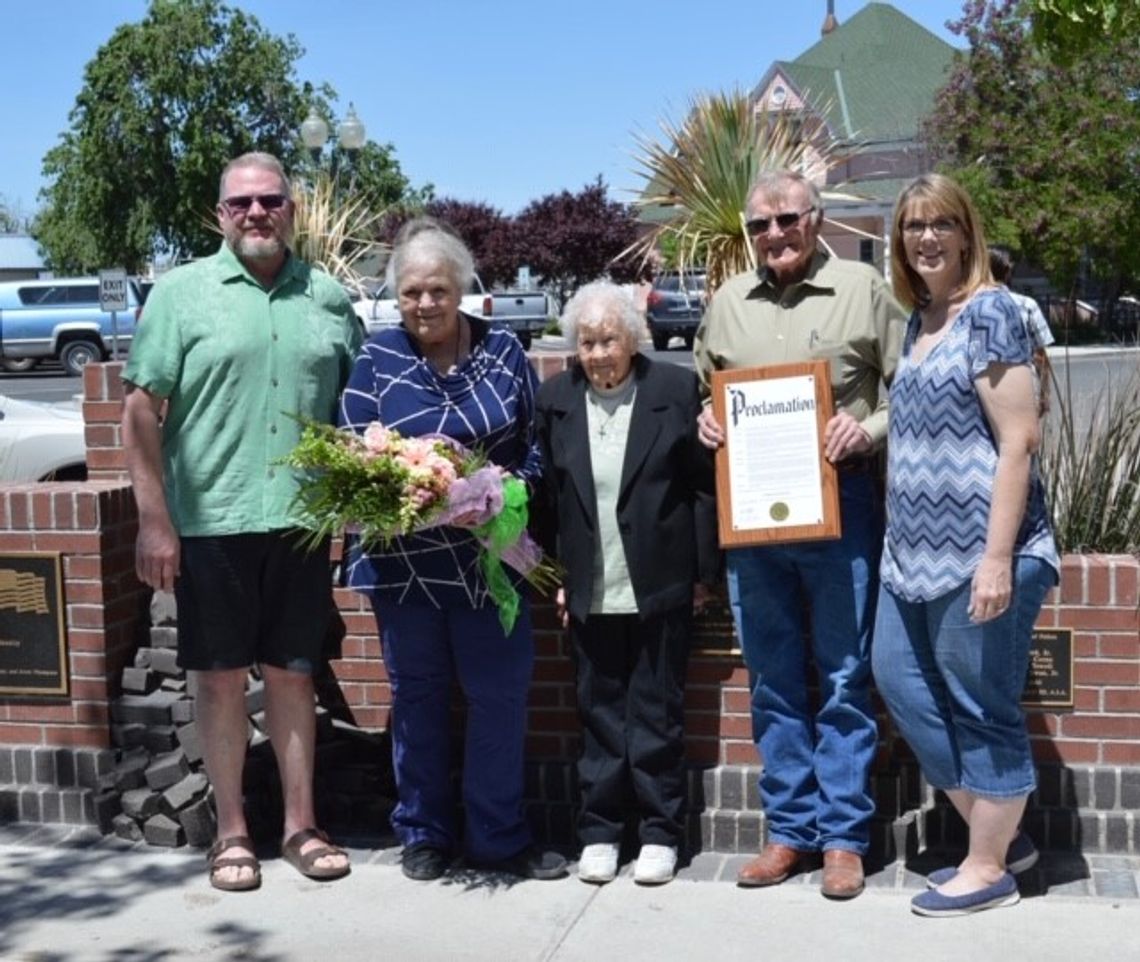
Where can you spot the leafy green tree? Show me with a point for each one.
(9, 218)
(1071, 28)
(164, 104)
(1048, 149)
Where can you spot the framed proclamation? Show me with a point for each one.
(772, 482)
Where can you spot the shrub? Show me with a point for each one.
(1092, 472)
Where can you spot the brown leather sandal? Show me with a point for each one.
(306, 863)
(217, 860)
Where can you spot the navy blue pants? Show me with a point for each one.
(425, 650)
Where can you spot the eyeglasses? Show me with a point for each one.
(760, 225)
(940, 227)
(241, 203)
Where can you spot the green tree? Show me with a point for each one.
(164, 104)
(9, 217)
(1049, 150)
(1071, 28)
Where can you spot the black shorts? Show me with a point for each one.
(253, 598)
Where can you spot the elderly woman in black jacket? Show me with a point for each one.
(629, 511)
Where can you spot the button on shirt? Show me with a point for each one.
(236, 362)
(842, 312)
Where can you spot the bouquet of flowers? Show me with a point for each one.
(381, 485)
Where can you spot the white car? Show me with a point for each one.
(41, 441)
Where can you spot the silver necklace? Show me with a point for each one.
(604, 426)
(607, 407)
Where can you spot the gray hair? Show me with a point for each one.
(774, 185)
(592, 303)
(261, 160)
(426, 240)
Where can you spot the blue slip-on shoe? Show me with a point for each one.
(934, 904)
(1021, 857)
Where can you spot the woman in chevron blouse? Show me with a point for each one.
(442, 372)
(969, 553)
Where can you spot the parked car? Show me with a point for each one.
(61, 318)
(41, 441)
(675, 306)
(525, 312)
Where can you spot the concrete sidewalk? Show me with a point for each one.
(72, 895)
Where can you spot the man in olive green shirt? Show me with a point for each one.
(802, 305)
(230, 347)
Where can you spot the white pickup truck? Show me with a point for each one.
(524, 312)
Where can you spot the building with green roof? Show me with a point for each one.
(869, 81)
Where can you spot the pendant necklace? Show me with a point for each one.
(608, 404)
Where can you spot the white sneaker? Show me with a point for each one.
(598, 863)
(656, 864)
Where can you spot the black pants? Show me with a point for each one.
(631, 680)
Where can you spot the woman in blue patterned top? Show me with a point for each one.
(969, 554)
(441, 372)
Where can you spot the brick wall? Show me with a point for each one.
(93, 525)
(1098, 597)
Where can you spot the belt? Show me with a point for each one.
(856, 466)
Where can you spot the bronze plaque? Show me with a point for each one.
(713, 631)
(1049, 683)
(33, 643)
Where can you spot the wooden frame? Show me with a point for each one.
(782, 506)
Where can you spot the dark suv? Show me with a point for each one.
(675, 306)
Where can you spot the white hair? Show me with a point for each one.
(596, 302)
(774, 186)
(424, 240)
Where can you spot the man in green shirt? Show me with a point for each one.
(802, 305)
(231, 347)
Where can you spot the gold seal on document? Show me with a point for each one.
(779, 511)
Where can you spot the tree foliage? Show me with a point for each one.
(566, 239)
(9, 217)
(1071, 28)
(570, 239)
(488, 234)
(164, 104)
(1047, 149)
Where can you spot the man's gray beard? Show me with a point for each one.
(259, 248)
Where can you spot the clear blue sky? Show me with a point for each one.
(499, 101)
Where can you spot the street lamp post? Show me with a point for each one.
(350, 135)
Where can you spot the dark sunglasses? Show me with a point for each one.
(760, 225)
(241, 203)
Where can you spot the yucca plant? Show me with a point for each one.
(332, 231)
(1092, 473)
(702, 170)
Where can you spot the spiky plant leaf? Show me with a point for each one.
(702, 169)
(332, 231)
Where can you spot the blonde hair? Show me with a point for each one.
(941, 196)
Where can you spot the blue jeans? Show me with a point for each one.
(814, 784)
(424, 650)
(954, 687)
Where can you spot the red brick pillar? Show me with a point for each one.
(93, 525)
